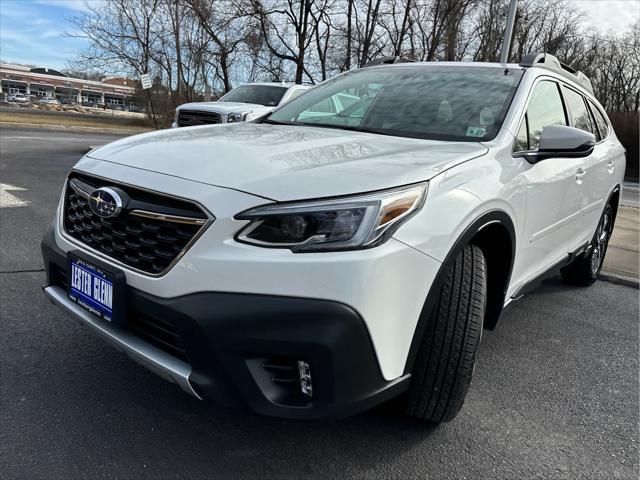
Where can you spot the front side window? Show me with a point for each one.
(268, 95)
(545, 109)
(431, 102)
(580, 115)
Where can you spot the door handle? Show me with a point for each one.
(611, 166)
(580, 175)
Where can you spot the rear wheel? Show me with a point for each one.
(444, 366)
(584, 270)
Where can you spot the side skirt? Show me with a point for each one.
(535, 282)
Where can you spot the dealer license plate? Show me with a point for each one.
(91, 287)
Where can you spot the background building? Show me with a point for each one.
(114, 92)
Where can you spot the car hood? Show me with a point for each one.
(225, 107)
(281, 162)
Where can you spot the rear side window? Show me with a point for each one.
(601, 121)
(580, 116)
(545, 108)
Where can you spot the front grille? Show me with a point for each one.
(189, 118)
(145, 243)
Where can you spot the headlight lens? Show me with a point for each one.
(236, 117)
(329, 225)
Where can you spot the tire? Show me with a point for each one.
(445, 362)
(584, 270)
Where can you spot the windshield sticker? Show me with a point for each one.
(476, 131)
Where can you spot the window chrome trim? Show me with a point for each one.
(75, 185)
(63, 233)
(168, 218)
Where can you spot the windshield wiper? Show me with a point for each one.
(350, 128)
(274, 122)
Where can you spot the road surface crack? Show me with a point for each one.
(27, 270)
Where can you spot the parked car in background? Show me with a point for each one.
(48, 101)
(246, 102)
(18, 98)
(317, 265)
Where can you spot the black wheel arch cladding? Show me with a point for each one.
(481, 232)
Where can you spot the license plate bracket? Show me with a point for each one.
(97, 287)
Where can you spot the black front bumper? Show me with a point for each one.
(244, 348)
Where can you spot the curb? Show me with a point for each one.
(76, 128)
(619, 280)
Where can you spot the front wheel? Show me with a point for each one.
(442, 372)
(584, 270)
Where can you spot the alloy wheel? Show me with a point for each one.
(600, 241)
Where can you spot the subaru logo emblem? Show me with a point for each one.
(105, 202)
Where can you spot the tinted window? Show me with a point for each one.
(603, 125)
(440, 103)
(269, 95)
(545, 108)
(580, 116)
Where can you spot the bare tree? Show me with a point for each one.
(323, 29)
(120, 33)
(288, 28)
(227, 30)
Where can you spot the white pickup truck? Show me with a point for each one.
(246, 102)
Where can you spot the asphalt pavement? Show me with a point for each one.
(555, 392)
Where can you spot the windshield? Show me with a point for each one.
(433, 102)
(268, 95)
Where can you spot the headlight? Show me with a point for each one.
(337, 224)
(237, 117)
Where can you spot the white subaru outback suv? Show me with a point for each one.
(243, 103)
(316, 265)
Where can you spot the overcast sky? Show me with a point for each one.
(33, 31)
(609, 15)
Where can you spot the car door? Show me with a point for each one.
(553, 187)
(611, 160)
(595, 182)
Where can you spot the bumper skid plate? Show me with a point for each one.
(159, 362)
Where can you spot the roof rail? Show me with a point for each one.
(550, 62)
(386, 61)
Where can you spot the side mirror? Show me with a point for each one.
(560, 141)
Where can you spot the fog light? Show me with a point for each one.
(305, 378)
